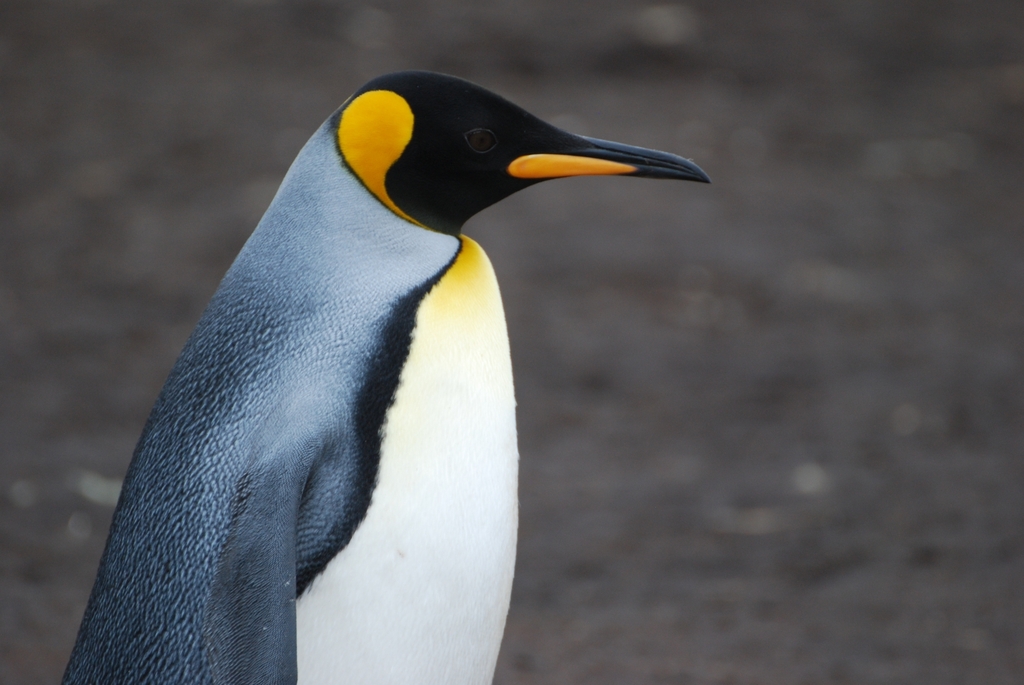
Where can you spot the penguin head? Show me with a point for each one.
(436, 149)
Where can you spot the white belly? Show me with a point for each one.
(420, 594)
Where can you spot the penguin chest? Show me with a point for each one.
(420, 593)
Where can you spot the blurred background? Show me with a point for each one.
(771, 429)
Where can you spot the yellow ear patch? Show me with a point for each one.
(375, 129)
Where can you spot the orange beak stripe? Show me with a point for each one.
(557, 166)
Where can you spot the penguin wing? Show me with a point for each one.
(293, 512)
(249, 626)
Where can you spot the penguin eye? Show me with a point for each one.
(481, 140)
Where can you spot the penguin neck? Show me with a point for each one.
(339, 215)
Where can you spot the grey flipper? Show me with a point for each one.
(259, 458)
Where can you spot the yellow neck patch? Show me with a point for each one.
(468, 291)
(375, 129)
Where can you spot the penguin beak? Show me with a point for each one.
(604, 158)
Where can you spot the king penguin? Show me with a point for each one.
(326, 489)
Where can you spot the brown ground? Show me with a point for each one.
(771, 429)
